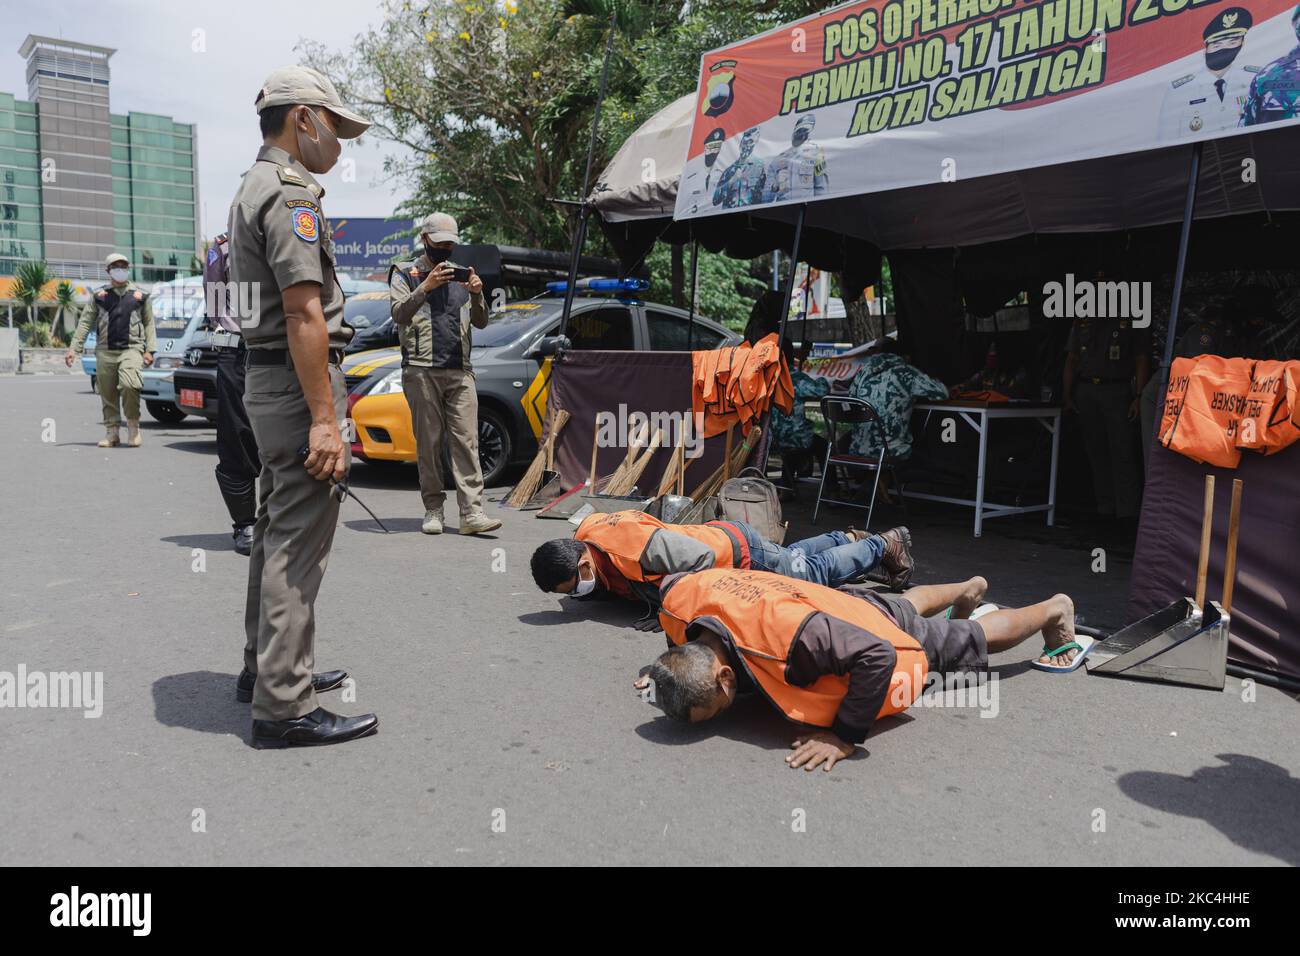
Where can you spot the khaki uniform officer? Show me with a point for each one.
(1108, 364)
(434, 315)
(281, 247)
(124, 344)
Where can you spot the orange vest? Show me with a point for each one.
(1266, 425)
(623, 537)
(1206, 427)
(763, 613)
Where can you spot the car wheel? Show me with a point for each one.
(494, 449)
(165, 412)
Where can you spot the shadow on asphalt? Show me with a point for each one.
(1215, 795)
(200, 700)
(614, 612)
(751, 720)
(208, 542)
(196, 447)
(395, 525)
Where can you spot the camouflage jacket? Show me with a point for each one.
(892, 387)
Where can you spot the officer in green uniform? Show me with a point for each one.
(1108, 364)
(282, 251)
(124, 345)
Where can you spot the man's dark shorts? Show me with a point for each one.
(950, 646)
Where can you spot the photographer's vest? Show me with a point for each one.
(438, 335)
(119, 320)
(763, 615)
(622, 537)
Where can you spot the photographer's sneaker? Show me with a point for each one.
(478, 523)
(432, 522)
(112, 437)
(133, 434)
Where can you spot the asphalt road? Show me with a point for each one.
(509, 731)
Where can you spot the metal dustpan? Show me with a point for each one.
(1186, 642)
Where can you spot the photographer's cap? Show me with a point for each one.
(301, 85)
(116, 257)
(440, 227)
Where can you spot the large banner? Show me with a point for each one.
(891, 93)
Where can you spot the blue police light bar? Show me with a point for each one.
(601, 285)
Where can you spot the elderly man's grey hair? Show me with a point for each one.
(682, 678)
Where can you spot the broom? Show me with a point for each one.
(616, 479)
(627, 481)
(733, 464)
(532, 480)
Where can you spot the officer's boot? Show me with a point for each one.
(112, 437)
(133, 433)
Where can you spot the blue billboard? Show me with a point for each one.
(371, 244)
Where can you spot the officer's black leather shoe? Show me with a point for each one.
(320, 683)
(316, 729)
(244, 540)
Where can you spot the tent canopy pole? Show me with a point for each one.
(580, 234)
(787, 290)
(1171, 335)
(690, 316)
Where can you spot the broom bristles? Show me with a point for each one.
(532, 479)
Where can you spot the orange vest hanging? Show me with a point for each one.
(763, 613)
(1207, 423)
(623, 537)
(1266, 424)
(1175, 395)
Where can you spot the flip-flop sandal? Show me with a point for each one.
(1083, 644)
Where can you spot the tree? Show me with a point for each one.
(64, 296)
(493, 103)
(29, 279)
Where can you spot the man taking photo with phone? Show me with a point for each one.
(435, 303)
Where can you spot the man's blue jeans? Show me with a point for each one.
(830, 559)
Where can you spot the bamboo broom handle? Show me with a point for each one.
(1207, 525)
(1230, 560)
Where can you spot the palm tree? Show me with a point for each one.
(65, 297)
(29, 279)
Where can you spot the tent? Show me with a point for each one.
(983, 148)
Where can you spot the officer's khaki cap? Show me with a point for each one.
(303, 86)
(440, 227)
(115, 257)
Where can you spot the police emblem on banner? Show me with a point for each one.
(306, 224)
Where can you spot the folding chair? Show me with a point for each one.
(842, 410)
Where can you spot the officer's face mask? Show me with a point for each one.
(436, 254)
(119, 275)
(1221, 57)
(319, 153)
(585, 585)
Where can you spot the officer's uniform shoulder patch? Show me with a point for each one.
(101, 292)
(290, 175)
(138, 294)
(1183, 80)
(306, 222)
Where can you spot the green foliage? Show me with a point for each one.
(727, 286)
(29, 279)
(35, 335)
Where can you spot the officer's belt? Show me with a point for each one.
(281, 358)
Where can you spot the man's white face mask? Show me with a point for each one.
(119, 275)
(585, 585)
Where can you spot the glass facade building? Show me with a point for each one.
(78, 181)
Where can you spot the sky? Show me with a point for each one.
(157, 69)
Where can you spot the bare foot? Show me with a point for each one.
(1059, 630)
(972, 593)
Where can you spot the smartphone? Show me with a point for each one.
(459, 273)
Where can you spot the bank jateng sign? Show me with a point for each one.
(371, 244)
